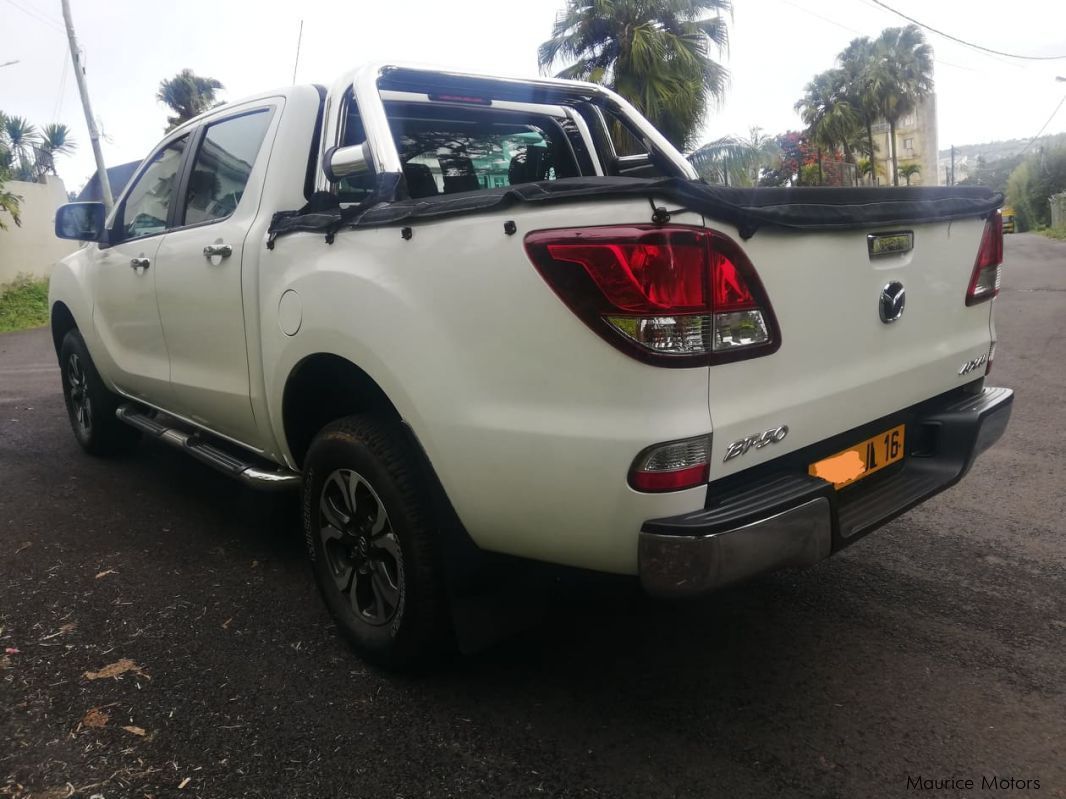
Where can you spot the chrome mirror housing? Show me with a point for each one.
(343, 162)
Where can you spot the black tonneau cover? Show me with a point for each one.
(748, 210)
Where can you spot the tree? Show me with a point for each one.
(9, 202)
(831, 120)
(55, 140)
(20, 142)
(737, 161)
(907, 171)
(862, 84)
(654, 53)
(903, 64)
(795, 153)
(27, 154)
(1038, 177)
(188, 95)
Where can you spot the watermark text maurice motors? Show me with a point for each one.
(988, 782)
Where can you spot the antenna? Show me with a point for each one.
(299, 41)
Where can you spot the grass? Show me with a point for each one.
(1054, 233)
(23, 304)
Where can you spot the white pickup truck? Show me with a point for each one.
(472, 317)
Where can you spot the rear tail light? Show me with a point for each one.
(670, 296)
(672, 466)
(984, 282)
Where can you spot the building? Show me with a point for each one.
(117, 176)
(916, 143)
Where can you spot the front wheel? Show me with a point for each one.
(90, 405)
(369, 532)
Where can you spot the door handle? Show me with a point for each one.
(218, 251)
(139, 263)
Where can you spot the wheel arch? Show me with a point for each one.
(62, 322)
(322, 388)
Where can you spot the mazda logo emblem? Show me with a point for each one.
(893, 298)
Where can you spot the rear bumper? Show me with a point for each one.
(786, 518)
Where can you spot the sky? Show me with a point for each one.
(776, 46)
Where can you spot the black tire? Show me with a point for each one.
(376, 559)
(90, 406)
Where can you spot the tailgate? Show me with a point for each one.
(839, 365)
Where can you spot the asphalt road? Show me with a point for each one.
(935, 648)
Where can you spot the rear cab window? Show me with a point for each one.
(449, 149)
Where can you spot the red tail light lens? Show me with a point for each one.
(984, 282)
(671, 296)
(672, 466)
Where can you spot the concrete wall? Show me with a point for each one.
(33, 248)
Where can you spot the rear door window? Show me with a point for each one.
(223, 164)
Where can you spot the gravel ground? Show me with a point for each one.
(163, 638)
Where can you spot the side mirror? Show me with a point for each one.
(343, 162)
(80, 221)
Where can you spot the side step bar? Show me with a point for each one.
(226, 462)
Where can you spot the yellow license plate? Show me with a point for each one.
(861, 460)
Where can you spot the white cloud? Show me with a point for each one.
(777, 45)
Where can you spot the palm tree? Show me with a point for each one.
(906, 60)
(21, 140)
(188, 95)
(907, 171)
(737, 161)
(862, 85)
(655, 53)
(55, 140)
(831, 120)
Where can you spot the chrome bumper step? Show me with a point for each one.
(227, 461)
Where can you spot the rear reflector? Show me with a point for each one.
(984, 281)
(673, 466)
(671, 295)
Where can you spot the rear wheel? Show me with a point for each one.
(90, 406)
(369, 533)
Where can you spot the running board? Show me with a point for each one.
(224, 461)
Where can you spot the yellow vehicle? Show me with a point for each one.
(1008, 219)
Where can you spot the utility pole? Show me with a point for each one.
(952, 160)
(94, 134)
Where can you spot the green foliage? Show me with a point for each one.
(655, 53)
(188, 95)
(1054, 233)
(28, 154)
(831, 120)
(1040, 175)
(737, 161)
(993, 174)
(908, 171)
(9, 202)
(884, 78)
(23, 304)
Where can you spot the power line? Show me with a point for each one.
(860, 33)
(964, 42)
(1041, 133)
(33, 13)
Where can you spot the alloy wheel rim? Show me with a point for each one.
(361, 549)
(81, 403)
